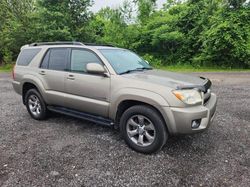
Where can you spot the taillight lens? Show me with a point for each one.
(13, 72)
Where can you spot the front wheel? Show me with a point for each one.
(143, 129)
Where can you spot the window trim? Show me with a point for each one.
(44, 55)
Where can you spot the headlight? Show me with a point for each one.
(189, 97)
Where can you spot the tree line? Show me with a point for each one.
(213, 33)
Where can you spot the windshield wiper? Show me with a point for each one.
(144, 68)
(137, 69)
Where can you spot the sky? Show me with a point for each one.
(98, 4)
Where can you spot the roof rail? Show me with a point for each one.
(96, 44)
(56, 43)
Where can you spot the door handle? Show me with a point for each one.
(42, 73)
(71, 77)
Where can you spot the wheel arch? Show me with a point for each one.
(126, 104)
(31, 83)
(138, 95)
(26, 87)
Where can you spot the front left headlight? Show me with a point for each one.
(190, 97)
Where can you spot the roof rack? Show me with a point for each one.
(96, 44)
(56, 43)
(69, 43)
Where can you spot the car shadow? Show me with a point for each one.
(195, 144)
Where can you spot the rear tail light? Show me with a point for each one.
(13, 72)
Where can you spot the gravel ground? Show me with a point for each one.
(63, 151)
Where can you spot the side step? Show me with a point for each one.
(82, 115)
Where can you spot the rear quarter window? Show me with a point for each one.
(26, 56)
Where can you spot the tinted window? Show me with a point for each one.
(80, 58)
(58, 59)
(26, 56)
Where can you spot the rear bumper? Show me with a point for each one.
(17, 87)
(179, 120)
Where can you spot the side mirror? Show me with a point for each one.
(95, 68)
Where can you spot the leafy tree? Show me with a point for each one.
(226, 42)
(14, 20)
(145, 8)
(65, 17)
(110, 26)
(197, 32)
(30, 21)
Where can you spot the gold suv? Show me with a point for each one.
(115, 87)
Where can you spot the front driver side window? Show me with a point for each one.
(80, 58)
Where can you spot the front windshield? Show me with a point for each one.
(124, 60)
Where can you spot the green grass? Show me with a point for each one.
(6, 68)
(188, 68)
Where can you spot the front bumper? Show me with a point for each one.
(179, 120)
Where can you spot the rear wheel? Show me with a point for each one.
(35, 104)
(143, 129)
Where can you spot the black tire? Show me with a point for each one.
(159, 133)
(42, 106)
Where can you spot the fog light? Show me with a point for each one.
(196, 123)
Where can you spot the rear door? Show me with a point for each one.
(83, 91)
(52, 72)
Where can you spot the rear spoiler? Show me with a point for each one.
(202, 88)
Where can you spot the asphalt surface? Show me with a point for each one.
(64, 151)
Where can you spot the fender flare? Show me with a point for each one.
(37, 82)
(141, 95)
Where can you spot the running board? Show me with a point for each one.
(82, 115)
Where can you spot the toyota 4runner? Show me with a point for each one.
(115, 87)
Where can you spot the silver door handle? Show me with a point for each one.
(42, 73)
(71, 77)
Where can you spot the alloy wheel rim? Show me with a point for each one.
(140, 130)
(34, 105)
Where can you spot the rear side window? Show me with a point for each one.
(56, 59)
(26, 56)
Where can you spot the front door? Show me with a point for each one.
(83, 91)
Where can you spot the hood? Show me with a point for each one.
(166, 78)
